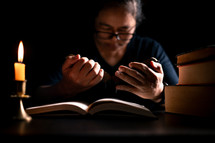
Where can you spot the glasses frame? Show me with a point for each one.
(115, 34)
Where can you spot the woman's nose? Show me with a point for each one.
(115, 38)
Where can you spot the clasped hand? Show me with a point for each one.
(80, 74)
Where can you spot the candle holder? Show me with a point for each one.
(20, 94)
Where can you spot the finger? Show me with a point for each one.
(87, 67)
(94, 72)
(132, 72)
(130, 80)
(156, 66)
(79, 64)
(71, 56)
(143, 68)
(98, 78)
(70, 60)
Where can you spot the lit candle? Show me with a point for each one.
(19, 66)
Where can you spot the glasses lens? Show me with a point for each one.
(125, 36)
(120, 36)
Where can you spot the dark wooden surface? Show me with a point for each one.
(109, 128)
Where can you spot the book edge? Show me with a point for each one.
(61, 106)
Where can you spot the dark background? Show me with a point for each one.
(50, 30)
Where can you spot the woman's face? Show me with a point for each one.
(117, 21)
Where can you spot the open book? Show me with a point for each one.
(105, 104)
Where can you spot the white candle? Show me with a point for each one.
(19, 67)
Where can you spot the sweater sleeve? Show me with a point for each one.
(170, 75)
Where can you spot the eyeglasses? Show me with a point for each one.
(119, 36)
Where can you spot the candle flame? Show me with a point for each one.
(20, 52)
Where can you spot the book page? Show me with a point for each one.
(78, 107)
(119, 105)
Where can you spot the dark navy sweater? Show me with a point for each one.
(139, 49)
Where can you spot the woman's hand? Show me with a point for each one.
(80, 74)
(142, 81)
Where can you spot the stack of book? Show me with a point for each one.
(195, 92)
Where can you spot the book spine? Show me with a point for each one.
(202, 73)
(190, 100)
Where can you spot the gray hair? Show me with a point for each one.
(132, 6)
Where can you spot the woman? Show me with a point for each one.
(118, 63)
